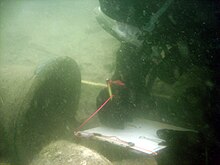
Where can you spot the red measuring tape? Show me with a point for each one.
(93, 114)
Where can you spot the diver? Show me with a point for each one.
(164, 44)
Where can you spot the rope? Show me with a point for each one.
(93, 83)
(117, 82)
(93, 114)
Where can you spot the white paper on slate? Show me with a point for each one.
(140, 135)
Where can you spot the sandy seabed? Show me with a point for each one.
(33, 32)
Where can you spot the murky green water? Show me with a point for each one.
(167, 65)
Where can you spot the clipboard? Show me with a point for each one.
(139, 135)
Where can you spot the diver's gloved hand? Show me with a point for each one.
(183, 147)
(174, 137)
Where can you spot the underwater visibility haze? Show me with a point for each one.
(61, 60)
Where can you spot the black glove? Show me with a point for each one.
(183, 147)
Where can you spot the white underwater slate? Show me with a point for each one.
(139, 135)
